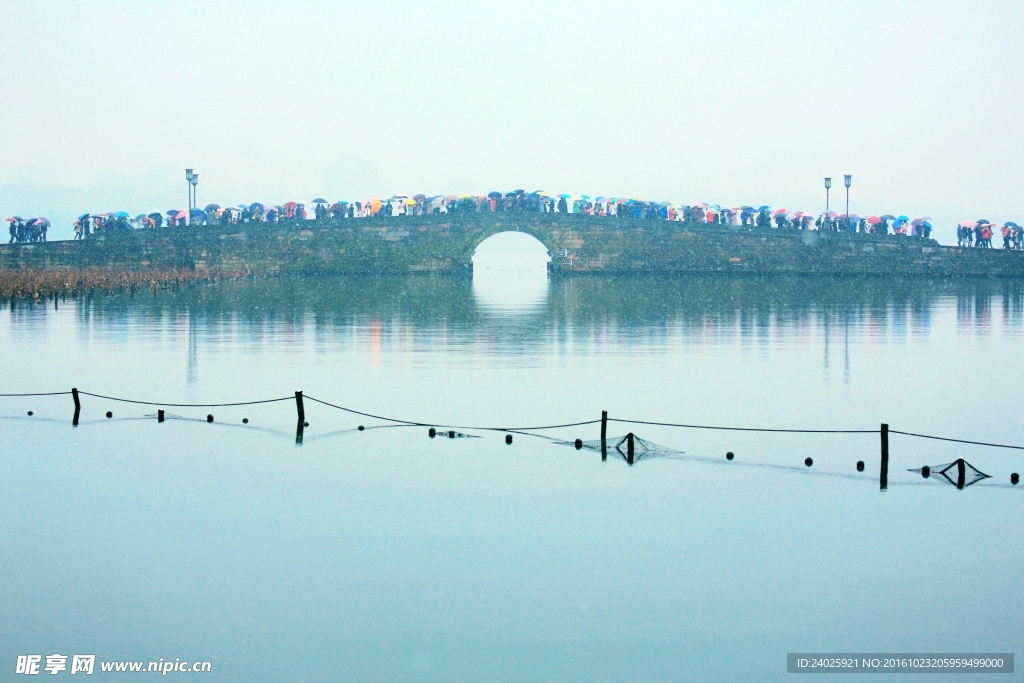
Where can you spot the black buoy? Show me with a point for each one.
(729, 456)
(30, 413)
(209, 418)
(1014, 478)
(508, 438)
(926, 471)
(361, 427)
(578, 443)
(860, 465)
(109, 414)
(245, 420)
(305, 424)
(808, 462)
(451, 434)
(432, 432)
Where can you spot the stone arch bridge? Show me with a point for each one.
(444, 244)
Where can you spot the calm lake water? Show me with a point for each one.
(384, 555)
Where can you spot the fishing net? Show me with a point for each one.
(619, 446)
(959, 473)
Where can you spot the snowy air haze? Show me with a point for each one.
(106, 103)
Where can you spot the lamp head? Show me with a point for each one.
(188, 174)
(195, 179)
(828, 183)
(848, 180)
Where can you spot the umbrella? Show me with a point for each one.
(410, 202)
(451, 198)
(888, 217)
(156, 214)
(82, 217)
(902, 218)
(764, 208)
(874, 220)
(984, 221)
(318, 200)
(420, 197)
(778, 211)
(746, 208)
(1012, 224)
(198, 212)
(565, 196)
(925, 224)
(212, 207)
(967, 224)
(122, 214)
(494, 195)
(15, 219)
(585, 196)
(41, 221)
(290, 205)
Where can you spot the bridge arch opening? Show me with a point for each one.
(510, 273)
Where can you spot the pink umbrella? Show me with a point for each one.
(874, 220)
(968, 224)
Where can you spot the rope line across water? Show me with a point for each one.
(434, 424)
(749, 429)
(517, 429)
(185, 405)
(943, 438)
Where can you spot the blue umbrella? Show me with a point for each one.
(764, 208)
(1012, 224)
(122, 214)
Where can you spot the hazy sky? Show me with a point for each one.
(106, 102)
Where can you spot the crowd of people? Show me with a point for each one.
(969, 233)
(979, 234)
(31, 230)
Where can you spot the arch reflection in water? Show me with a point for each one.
(510, 274)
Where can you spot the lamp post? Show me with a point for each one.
(195, 201)
(847, 180)
(828, 186)
(188, 181)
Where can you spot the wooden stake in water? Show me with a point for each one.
(302, 416)
(629, 448)
(78, 407)
(883, 475)
(604, 435)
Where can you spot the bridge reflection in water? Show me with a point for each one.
(526, 310)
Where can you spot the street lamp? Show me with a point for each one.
(847, 180)
(188, 181)
(195, 201)
(828, 186)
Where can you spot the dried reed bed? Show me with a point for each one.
(38, 283)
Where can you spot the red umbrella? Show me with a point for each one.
(874, 220)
